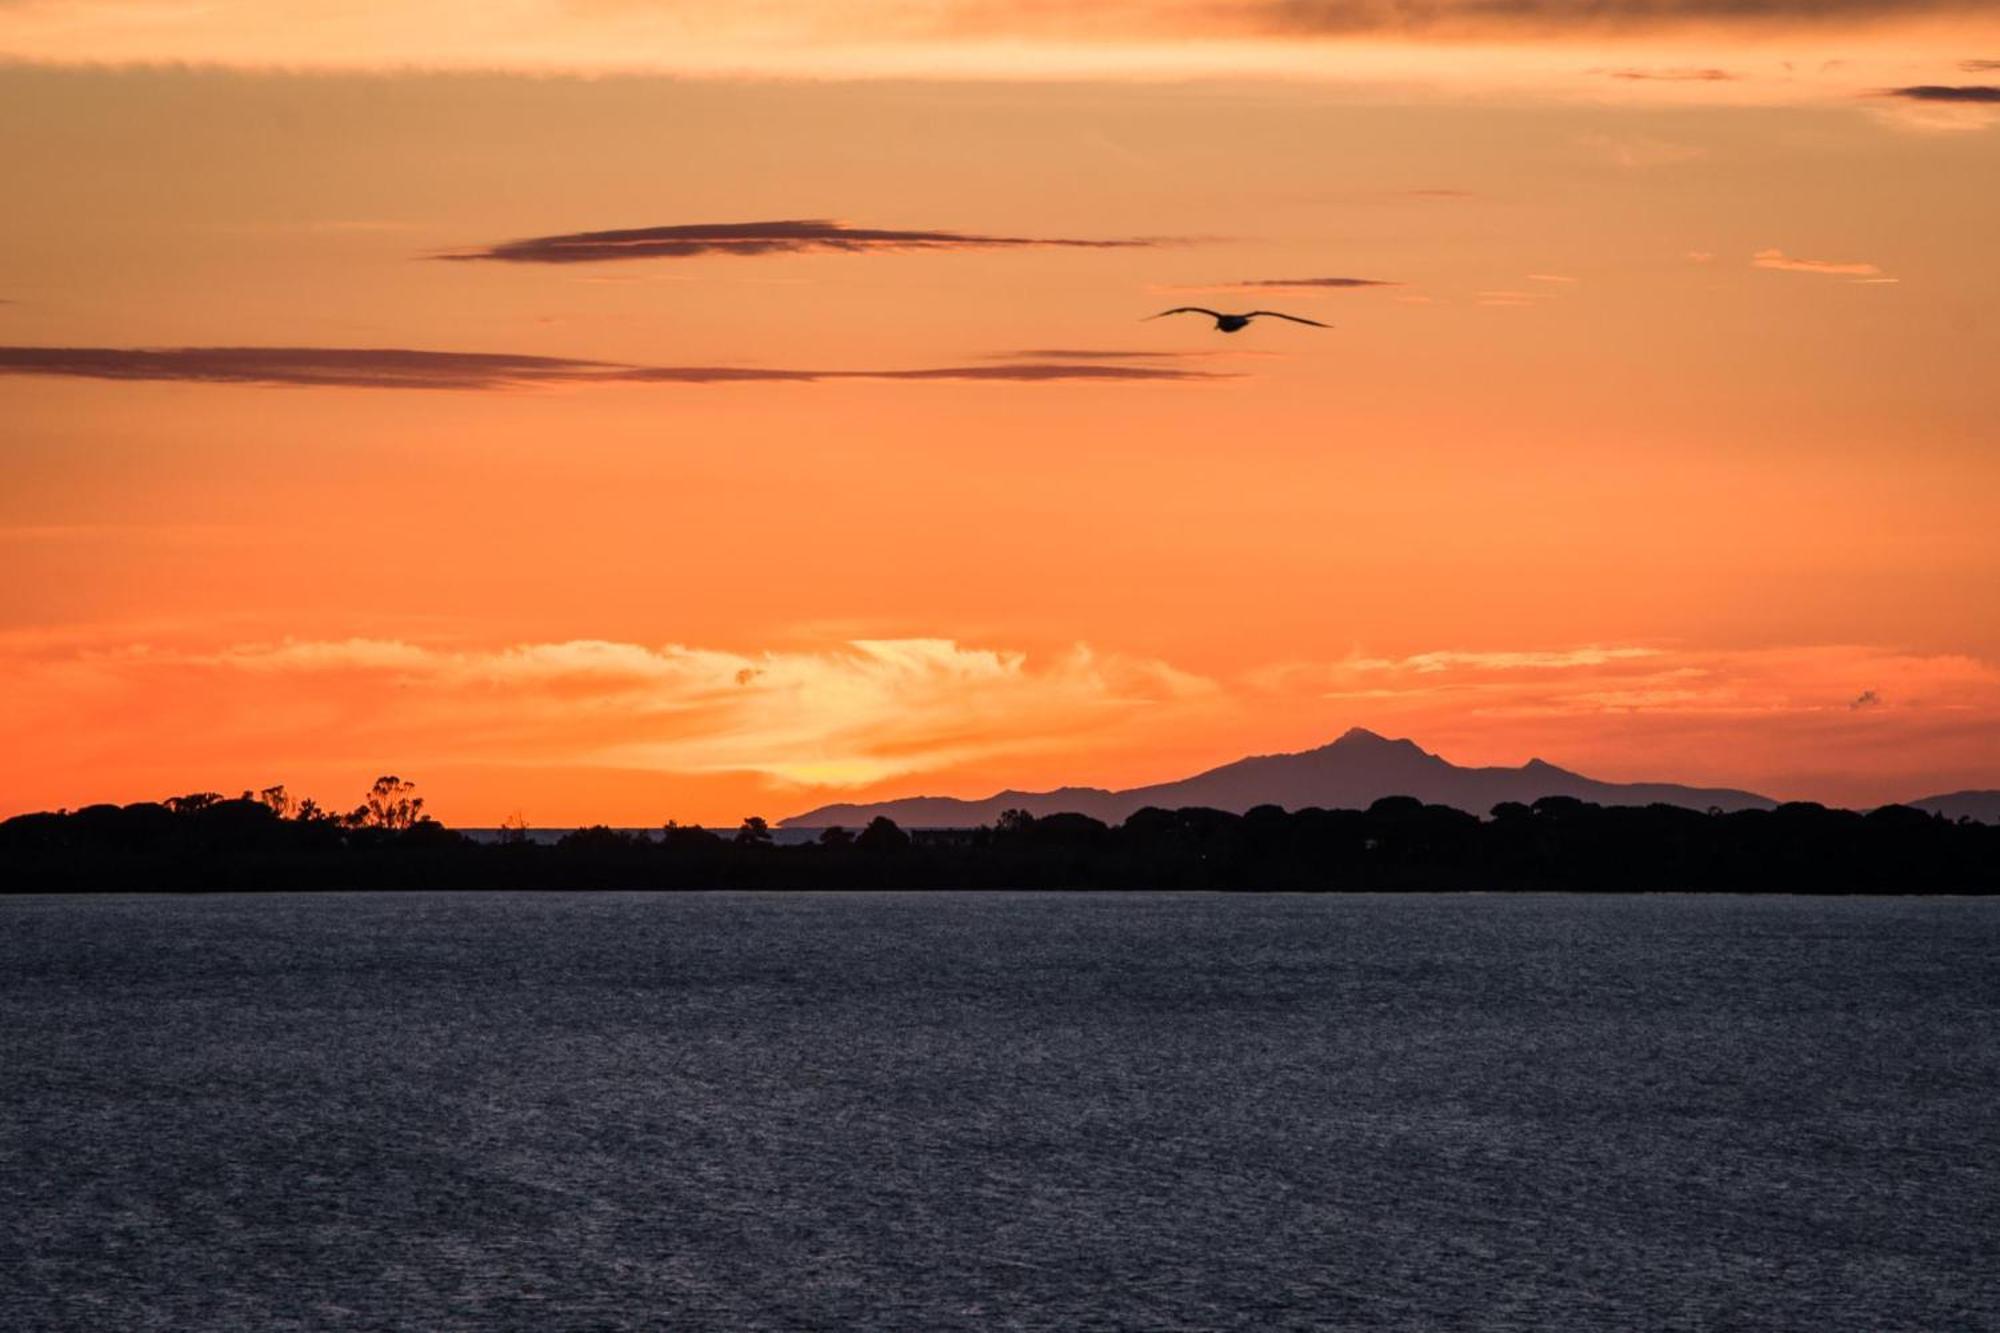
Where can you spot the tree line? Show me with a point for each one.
(266, 841)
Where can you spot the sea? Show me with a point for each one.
(938, 1111)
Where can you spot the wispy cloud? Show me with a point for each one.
(1561, 659)
(375, 367)
(1783, 720)
(1939, 108)
(990, 39)
(1558, 18)
(1026, 373)
(1977, 94)
(1637, 152)
(1107, 354)
(1778, 259)
(1978, 66)
(851, 712)
(792, 236)
(1639, 75)
(402, 368)
(1560, 279)
(1281, 285)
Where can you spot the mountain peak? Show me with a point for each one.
(1362, 739)
(1357, 768)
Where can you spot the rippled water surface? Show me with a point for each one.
(932, 1112)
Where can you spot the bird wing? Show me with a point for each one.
(1188, 310)
(1296, 319)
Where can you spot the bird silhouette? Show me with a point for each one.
(1232, 323)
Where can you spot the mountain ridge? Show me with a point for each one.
(1351, 772)
(1982, 804)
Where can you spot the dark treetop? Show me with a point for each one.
(1558, 842)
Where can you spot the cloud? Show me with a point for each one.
(796, 236)
(1101, 354)
(1562, 279)
(1283, 285)
(1935, 108)
(1702, 256)
(1866, 699)
(1565, 659)
(856, 711)
(377, 368)
(401, 368)
(1003, 39)
(1778, 259)
(1978, 66)
(1031, 373)
(1778, 720)
(1671, 75)
(851, 712)
(1637, 152)
(1975, 94)
(1531, 19)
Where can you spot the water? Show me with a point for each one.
(908, 1112)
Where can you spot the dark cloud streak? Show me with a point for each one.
(402, 368)
(791, 236)
(1092, 354)
(1283, 285)
(374, 368)
(1554, 18)
(1938, 92)
(1250, 283)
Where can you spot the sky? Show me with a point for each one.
(614, 411)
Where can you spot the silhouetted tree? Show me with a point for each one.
(201, 842)
(278, 801)
(882, 835)
(676, 834)
(390, 804)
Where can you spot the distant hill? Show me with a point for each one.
(1983, 806)
(1351, 773)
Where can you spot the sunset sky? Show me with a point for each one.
(616, 410)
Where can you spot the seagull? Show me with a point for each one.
(1232, 323)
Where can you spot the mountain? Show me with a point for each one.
(1351, 773)
(1983, 806)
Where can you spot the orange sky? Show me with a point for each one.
(1665, 447)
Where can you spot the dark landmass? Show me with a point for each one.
(1351, 773)
(204, 843)
(1983, 806)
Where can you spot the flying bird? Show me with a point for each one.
(1231, 323)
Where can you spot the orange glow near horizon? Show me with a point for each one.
(1654, 435)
